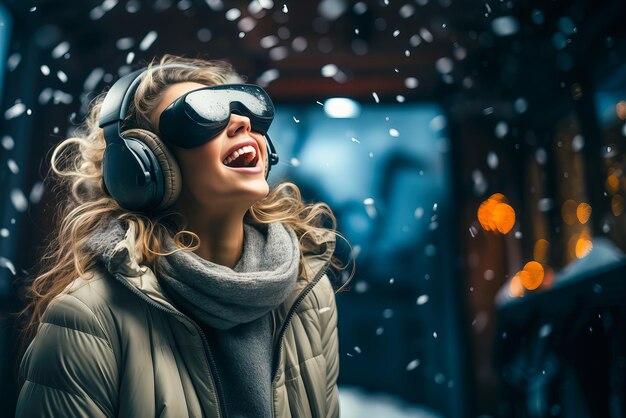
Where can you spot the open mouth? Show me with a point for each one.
(245, 160)
(248, 159)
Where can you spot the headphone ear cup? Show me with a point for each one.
(171, 170)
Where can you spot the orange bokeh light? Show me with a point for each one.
(515, 287)
(494, 214)
(583, 245)
(612, 184)
(504, 217)
(532, 275)
(583, 212)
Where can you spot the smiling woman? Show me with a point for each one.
(202, 140)
(124, 317)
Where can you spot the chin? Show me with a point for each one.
(264, 191)
(256, 189)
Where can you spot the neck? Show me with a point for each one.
(220, 231)
(220, 242)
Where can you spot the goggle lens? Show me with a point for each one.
(214, 105)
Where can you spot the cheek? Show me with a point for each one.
(202, 163)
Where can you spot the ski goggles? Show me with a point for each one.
(199, 115)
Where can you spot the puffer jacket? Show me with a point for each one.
(112, 345)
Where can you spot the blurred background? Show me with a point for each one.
(472, 151)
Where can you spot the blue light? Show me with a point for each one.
(341, 107)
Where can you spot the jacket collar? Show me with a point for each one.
(123, 261)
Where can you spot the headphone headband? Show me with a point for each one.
(117, 101)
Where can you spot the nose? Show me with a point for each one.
(237, 122)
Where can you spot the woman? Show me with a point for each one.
(131, 322)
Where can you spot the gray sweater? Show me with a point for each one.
(243, 356)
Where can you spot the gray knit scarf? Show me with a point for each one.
(222, 297)
(217, 295)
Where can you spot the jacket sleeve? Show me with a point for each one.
(69, 367)
(330, 346)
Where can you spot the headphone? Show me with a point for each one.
(138, 169)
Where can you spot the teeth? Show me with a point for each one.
(237, 153)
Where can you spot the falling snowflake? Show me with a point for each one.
(19, 200)
(148, 40)
(422, 299)
(15, 110)
(4, 262)
(60, 49)
(412, 364)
